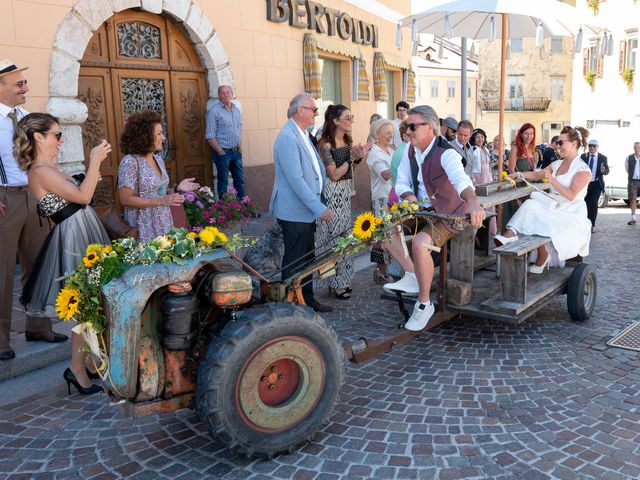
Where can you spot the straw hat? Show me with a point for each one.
(7, 66)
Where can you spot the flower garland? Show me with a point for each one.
(80, 299)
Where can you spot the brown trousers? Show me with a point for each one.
(21, 236)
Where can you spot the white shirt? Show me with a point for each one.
(594, 167)
(379, 161)
(636, 173)
(312, 153)
(15, 176)
(396, 131)
(451, 163)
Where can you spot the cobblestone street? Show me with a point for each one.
(469, 399)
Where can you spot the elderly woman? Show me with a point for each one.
(379, 162)
(143, 179)
(560, 215)
(65, 201)
(339, 156)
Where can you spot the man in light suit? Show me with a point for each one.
(296, 198)
(599, 167)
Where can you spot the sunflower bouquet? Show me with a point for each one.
(80, 299)
(369, 228)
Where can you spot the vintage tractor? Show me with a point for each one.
(264, 374)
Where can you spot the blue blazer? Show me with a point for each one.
(296, 195)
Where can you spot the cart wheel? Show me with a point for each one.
(581, 292)
(271, 380)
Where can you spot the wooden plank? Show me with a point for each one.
(486, 189)
(513, 279)
(550, 283)
(462, 255)
(523, 245)
(504, 196)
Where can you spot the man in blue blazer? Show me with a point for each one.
(296, 198)
(599, 168)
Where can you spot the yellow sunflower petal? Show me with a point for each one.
(364, 226)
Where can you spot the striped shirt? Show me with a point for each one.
(10, 172)
(224, 126)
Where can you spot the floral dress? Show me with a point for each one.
(151, 221)
(338, 199)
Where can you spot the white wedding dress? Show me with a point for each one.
(566, 224)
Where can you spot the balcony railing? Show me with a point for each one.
(516, 104)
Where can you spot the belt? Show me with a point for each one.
(234, 149)
(12, 188)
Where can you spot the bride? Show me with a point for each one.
(560, 215)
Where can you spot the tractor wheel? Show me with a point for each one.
(271, 380)
(581, 292)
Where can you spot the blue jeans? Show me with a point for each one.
(231, 161)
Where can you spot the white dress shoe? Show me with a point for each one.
(408, 284)
(419, 319)
(501, 240)
(538, 269)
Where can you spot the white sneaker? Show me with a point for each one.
(419, 319)
(501, 240)
(408, 284)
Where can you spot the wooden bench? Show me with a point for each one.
(514, 266)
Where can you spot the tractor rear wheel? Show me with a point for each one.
(271, 380)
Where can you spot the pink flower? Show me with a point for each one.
(189, 196)
(199, 204)
(232, 190)
(245, 199)
(207, 214)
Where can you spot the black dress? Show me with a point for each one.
(76, 227)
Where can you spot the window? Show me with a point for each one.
(516, 45)
(451, 88)
(592, 61)
(556, 44)
(435, 85)
(515, 87)
(628, 53)
(331, 87)
(557, 88)
(468, 91)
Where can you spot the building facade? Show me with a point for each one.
(438, 77)
(538, 86)
(92, 62)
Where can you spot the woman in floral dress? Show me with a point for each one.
(143, 179)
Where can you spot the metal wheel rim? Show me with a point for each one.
(589, 297)
(288, 412)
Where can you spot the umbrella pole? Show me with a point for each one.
(503, 74)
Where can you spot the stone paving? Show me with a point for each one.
(470, 399)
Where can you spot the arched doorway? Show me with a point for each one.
(138, 60)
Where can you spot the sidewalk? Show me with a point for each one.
(35, 355)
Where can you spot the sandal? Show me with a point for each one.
(380, 278)
(344, 295)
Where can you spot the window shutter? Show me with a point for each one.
(585, 61)
(600, 66)
(623, 56)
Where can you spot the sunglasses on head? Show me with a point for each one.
(413, 126)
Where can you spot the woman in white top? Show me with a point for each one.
(560, 215)
(379, 162)
(481, 169)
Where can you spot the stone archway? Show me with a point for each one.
(76, 31)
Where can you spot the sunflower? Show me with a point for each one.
(207, 236)
(93, 248)
(394, 207)
(222, 237)
(378, 221)
(90, 259)
(67, 303)
(107, 249)
(364, 226)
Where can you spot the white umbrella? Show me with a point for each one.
(491, 18)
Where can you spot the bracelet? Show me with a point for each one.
(175, 188)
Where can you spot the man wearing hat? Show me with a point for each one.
(599, 167)
(20, 229)
(448, 128)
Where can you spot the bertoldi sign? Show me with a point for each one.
(314, 16)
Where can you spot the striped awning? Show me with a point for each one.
(363, 80)
(394, 61)
(410, 91)
(379, 79)
(335, 45)
(311, 69)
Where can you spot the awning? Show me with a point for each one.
(311, 67)
(379, 78)
(363, 80)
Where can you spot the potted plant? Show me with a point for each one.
(590, 78)
(627, 76)
(594, 5)
(203, 209)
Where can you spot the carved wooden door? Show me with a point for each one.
(138, 60)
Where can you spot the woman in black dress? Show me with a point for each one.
(63, 200)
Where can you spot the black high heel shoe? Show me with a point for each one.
(93, 375)
(70, 378)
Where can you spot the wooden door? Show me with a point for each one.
(138, 60)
